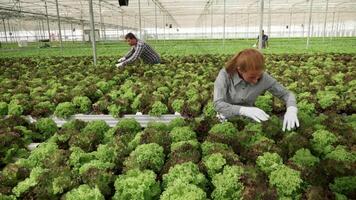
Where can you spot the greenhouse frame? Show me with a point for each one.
(177, 100)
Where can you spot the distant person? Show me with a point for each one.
(238, 85)
(264, 40)
(139, 50)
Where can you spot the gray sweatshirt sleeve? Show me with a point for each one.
(281, 92)
(221, 85)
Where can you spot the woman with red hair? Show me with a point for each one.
(240, 83)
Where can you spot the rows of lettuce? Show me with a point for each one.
(65, 86)
(195, 159)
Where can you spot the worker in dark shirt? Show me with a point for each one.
(264, 40)
(139, 50)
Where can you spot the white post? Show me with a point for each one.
(59, 26)
(248, 24)
(3, 21)
(156, 21)
(224, 24)
(83, 37)
(290, 22)
(211, 25)
(269, 17)
(310, 18)
(92, 31)
(326, 15)
(139, 20)
(261, 26)
(122, 24)
(101, 22)
(48, 29)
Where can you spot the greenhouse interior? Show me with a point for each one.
(177, 100)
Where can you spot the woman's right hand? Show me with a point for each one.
(254, 113)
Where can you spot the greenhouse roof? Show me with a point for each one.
(178, 13)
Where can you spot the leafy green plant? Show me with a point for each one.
(326, 99)
(187, 173)
(158, 109)
(64, 110)
(14, 108)
(128, 126)
(84, 192)
(83, 103)
(181, 190)
(23, 186)
(177, 145)
(344, 185)
(227, 184)
(179, 134)
(269, 162)
(214, 163)
(322, 141)
(210, 147)
(286, 180)
(177, 105)
(136, 184)
(3, 108)
(304, 158)
(341, 154)
(46, 126)
(146, 156)
(226, 129)
(209, 110)
(264, 102)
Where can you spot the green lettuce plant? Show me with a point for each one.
(187, 172)
(136, 184)
(64, 110)
(179, 134)
(269, 162)
(214, 163)
(146, 156)
(158, 109)
(322, 141)
(227, 184)
(181, 190)
(82, 103)
(286, 180)
(304, 158)
(84, 192)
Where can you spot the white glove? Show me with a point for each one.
(290, 119)
(121, 59)
(119, 65)
(254, 113)
(221, 117)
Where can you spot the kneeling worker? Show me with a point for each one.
(139, 50)
(238, 85)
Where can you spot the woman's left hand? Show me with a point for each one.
(290, 119)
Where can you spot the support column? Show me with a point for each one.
(3, 23)
(92, 31)
(269, 17)
(310, 19)
(139, 20)
(59, 26)
(224, 24)
(102, 35)
(212, 20)
(47, 19)
(261, 26)
(326, 15)
(156, 22)
(83, 37)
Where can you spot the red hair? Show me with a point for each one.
(245, 60)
